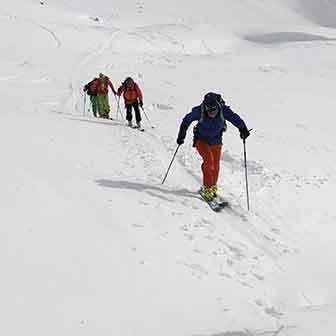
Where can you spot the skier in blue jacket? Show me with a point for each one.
(211, 116)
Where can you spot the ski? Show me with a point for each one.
(222, 202)
(138, 128)
(214, 205)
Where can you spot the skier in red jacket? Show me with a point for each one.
(133, 98)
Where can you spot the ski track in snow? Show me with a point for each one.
(43, 27)
(74, 101)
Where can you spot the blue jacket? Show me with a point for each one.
(209, 130)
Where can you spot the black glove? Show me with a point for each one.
(244, 133)
(180, 141)
(181, 135)
(141, 103)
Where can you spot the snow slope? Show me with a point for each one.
(92, 243)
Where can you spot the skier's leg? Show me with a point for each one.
(137, 113)
(216, 154)
(208, 162)
(106, 106)
(94, 103)
(129, 114)
(100, 103)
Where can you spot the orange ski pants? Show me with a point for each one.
(211, 155)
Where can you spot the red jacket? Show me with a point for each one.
(131, 94)
(101, 86)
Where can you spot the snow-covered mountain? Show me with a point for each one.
(91, 242)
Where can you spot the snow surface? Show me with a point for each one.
(92, 243)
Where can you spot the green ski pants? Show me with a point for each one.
(94, 104)
(103, 106)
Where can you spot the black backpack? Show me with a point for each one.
(221, 104)
(87, 88)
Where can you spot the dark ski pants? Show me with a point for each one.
(136, 110)
(211, 155)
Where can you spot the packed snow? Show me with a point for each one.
(92, 243)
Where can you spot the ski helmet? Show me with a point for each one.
(129, 81)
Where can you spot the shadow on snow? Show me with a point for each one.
(152, 190)
(285, 37)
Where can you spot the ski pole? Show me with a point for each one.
(117, 101)
(84, 104)
(164, 179)
(246, 180)
(147, 117)
(118, 108)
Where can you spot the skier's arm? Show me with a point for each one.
(120, 90)
(235, 120)
(138, 91)
(194, 115)
(139, 94)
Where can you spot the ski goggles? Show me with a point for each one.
(211, 110)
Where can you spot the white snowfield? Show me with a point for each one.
(91, 242)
